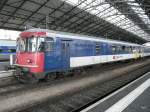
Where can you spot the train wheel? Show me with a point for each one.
(26, 78)
(51, 76)
(79, 72)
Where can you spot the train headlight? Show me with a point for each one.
(29, 61)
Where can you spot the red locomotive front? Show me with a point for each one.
(30, 55)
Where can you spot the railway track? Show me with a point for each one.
(20, 90)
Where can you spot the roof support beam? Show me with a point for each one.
(14, 12)
(126, 9)
(41, 20)
(145, 5)
(34, 12)
(2, 4)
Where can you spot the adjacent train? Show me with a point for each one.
(43, 53)
(7, 47)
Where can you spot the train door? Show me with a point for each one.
(65, 54)
(52, 59)
(104, 52)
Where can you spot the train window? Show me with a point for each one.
(128, 49)
(31, 44)
(1, 50)
(114, 48)
(131, 50)
(119, 49)
(65, 46)
(20, 44)
(49, 44)
(98, 48)
(141, 50)
(134, 50)
(41, 43)
(12, 50)
(123, 48)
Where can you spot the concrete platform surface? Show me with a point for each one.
(4, 74)
(3, 65)
(134, 97)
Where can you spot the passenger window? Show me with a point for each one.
(12, 50)
(134, 50)
(128, 50)
(114, 49)
(131, 50)
(119, 49)
(98, 48)
(123, 48)
(65, 47)
(141, 50)
(49, 44)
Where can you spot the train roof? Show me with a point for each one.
(60, 34)
(6, 42)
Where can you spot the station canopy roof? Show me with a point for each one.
(127, 20)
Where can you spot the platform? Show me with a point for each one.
(5, 74)
(134, 97)
(3, 64)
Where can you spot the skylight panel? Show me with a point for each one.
(139, 11)
(105, 11)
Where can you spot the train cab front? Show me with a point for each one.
(30, 56)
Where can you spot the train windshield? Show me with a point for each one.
(32, 44)
(20, 44)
